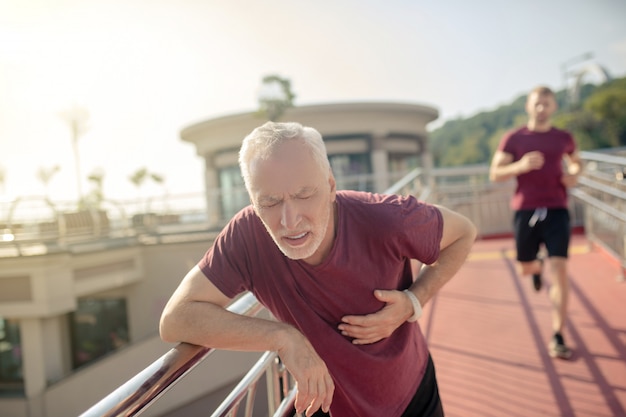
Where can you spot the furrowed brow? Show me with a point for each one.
(304, 191)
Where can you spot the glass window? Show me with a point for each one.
(11, 378)
(234, 194)
(352, 171)
(98, 326)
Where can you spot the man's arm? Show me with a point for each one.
(503, 168)
(459, 234)
(574, 169)
(195, 314)
(458, 237)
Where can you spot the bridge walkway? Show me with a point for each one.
(488, 332)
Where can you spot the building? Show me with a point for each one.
(372, 142)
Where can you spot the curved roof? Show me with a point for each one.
(329, 119)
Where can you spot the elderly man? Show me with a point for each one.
(334, 267)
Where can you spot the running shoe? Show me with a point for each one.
(557, 347)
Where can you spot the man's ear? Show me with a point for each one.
(332, 182)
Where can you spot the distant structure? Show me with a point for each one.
(376, 142)
(573, 90)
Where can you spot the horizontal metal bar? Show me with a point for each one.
(594, 202)
(602, 157)
(134, 396)
(404, 181)
(602, 187)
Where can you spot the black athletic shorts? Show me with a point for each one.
(534, 227)
(426, 401)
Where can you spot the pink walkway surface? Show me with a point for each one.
(488, 332)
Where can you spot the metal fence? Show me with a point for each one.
(602, 193)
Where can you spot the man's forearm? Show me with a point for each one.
(432, 277)
(206, 324)
(504, 172)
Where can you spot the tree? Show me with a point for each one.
(77, 118)
(45, 176)
(3, 179)
(139, 177)
(598, 122)
(609, 105)
(275, 96)
(96, 196)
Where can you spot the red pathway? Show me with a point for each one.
(488, 332)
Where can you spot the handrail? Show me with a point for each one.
(605, 223)
(247, 386)
(597, 204)
(404, 181)
(603, 157)
(602, 187)
(280, 396)
(134, 396)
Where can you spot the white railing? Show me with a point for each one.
(602, 191)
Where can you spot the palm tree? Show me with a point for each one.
(76, 117)
(45, 176)
(138, 178)
(96, 195)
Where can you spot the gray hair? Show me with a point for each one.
(262, 141)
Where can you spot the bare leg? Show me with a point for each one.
(559, 291)
(529, 268)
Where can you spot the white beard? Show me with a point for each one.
(316, 234)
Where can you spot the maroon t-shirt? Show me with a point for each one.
(540, 187)
(377, 236)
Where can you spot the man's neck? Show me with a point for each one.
(535, 126)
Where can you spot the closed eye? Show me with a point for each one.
(269, 204)
(305, 194)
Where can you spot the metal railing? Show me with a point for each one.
(602, 192)
(281, 389)
(134, 396)
(36, 225)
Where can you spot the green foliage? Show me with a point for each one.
(275, 97)
(467, 141)
(599, 121)
(95, 197)
(609, 105)
(139, 177)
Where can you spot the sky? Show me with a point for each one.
(145, 69)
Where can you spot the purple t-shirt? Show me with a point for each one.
(541, 187)
(377, 235)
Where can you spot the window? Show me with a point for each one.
(352, 171)
(98, 326)
(11, 379)
(234, 194)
